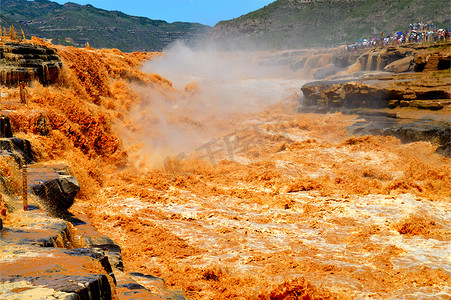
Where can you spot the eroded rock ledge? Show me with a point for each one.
(413, 104)
(26, 62)
(47, 253)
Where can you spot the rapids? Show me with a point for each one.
(240, 198)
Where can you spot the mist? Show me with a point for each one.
(210, 90)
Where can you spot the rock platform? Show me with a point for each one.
(400, 91)
(24, 62)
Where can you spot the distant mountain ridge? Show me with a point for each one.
(287, 24)
(74, 24)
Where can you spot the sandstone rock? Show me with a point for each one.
(346, 94)
(26, 290)
(57, 272)
(26, 261)
(98, 255)
(370, 93)
(393, 103)
(432, 61)
(429, 104)
(88, 237)
(26, 62)
(378, 59)
(322, 73)
(401, 65)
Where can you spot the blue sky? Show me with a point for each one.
(207, 12)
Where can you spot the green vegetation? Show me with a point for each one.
(76, 25)
(299, 24)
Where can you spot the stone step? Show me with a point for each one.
(39, 259)
(31, 270)
(128, 289)
(54, 186)
(157, 286)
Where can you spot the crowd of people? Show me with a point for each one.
(418, 33)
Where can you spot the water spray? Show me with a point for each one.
(24, 186)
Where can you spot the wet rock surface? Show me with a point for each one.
(413, 106)
(26, 62)
(27, 260)
(53, 185)
(28, 268)
(44, 257)
(377, 90)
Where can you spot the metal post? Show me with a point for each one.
(25, 188)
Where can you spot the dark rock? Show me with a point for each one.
(426, 130)
(51, 272)
(401, 65)
(97, 254)
(413, 130)
(91, 238)
(127, 288)
(18, 146)
(158, 285)
(40, 232)
(26, 62)
(5, 127)
(53, 185)
(344, 59)
(326, 72)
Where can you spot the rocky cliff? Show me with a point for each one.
(24, 62)
(413, 77)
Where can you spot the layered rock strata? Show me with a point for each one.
(23, 62)
(371, 94)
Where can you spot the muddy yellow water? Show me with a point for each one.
(357, 217)
(263, 204)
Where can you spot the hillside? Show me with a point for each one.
(75, 25)
(307, 23)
